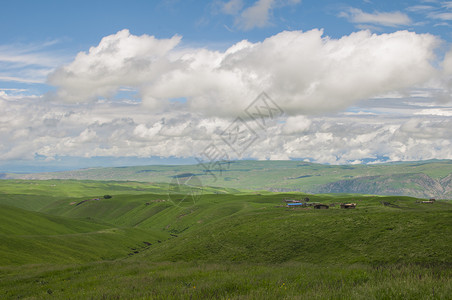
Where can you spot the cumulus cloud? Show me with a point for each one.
(34, 126)
(305, 72)
(391, 19)
(296, 125)
(441, 85)
(119, 60)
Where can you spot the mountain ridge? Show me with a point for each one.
(424, 179)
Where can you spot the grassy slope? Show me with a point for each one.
(65, 232)
(31, 237)
(370, 234)
(75, 188)
(251, 227)
(234, 227)
(149, 211)
(324, 253)
(294, 280)
(16, 221)
(28, 202)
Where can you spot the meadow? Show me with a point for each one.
(58, 241)
(422, 179)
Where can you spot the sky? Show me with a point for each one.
(95, 83)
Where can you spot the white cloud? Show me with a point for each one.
(34, 125)
(447, 4)
(437, 10)
(119, 60)
(445, 16)
(420, 8)
(391, 19)
(232, 7)
(3, 77)
(27, 55)
(257, 15)
(368, 27)
(296, 125)
(28, 63)
(435, 112)
(305, 72)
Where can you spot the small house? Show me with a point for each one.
(348, 205)
(291, 201)
(295, 205)
(321, 206)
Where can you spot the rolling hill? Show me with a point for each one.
(423, 179)
(30, 237)
(232, 226)
(57, 241)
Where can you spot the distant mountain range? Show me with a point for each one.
(423, 179)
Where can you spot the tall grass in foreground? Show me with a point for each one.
(292, 280)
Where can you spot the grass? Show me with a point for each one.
(16, 221)
(240, 245)
(31, 237)
(164, 280)
(272, 234)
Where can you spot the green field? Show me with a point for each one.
(57, 240)
(423, 179)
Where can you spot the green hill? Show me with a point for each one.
(423, 179)
(142, 244)
(15, 221)
(254, 227)
(371, 234)
(31, 237)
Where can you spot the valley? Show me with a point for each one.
(228, 244)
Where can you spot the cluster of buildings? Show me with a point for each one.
(292, 203)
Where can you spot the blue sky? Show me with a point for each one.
(61, 29)
(192, 51)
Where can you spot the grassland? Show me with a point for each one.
(56, 241)
(418, 179)
(195, 280)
